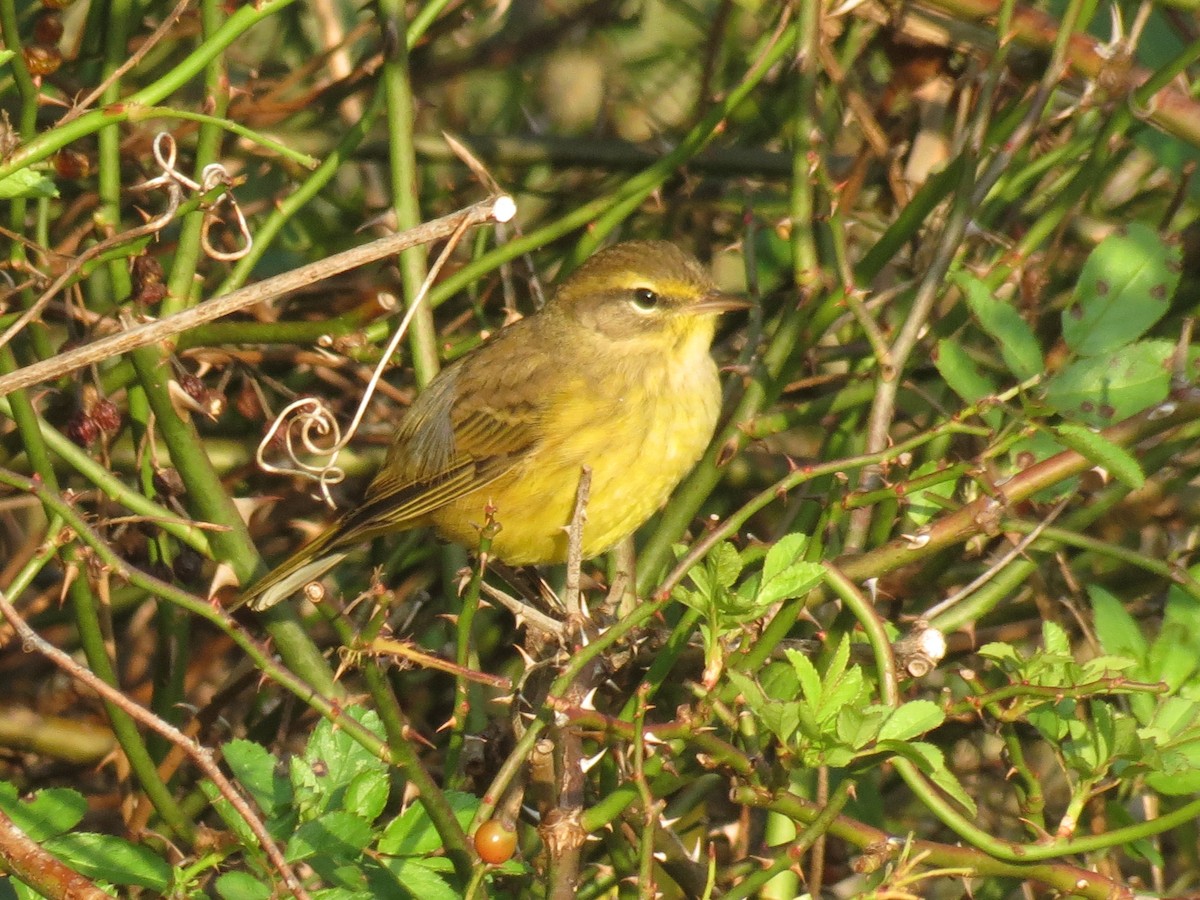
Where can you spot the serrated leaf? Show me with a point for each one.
(1175, 653)
(1175, 716)
(412, 833)
(419, 880)
(781, 718)
(725, 563)
(337, 834)
(1180, 773)
(1125, 287)
(859, 726)
(778, 681)
(332, 759)
(257, 771)
(1054, 638)
(806, 674)
(367, 794)
(1098, 449)
(849, 689)
(783, 553)
(785, 574)
(111, 859)
(838, 662)
(1118, 632)
(28, 184)
(910, 720)
(999, 651)
(930, 760)
(1015, 339)
(1100, 390)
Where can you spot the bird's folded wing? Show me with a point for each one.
(393, 505)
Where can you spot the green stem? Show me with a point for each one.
(402, 159)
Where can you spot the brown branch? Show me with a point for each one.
(40, 870)
(201, 756)
(492, 209)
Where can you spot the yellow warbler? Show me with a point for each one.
(614, 373)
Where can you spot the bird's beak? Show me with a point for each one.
(718, 302)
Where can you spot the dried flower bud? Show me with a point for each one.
(72, 164)
(194, 388)
(82, 430)
(188, 565)
(146, 278)
(41, 59)
(145, 270)
(168, 483)
(56, 4)
(106, 416)
(48, 27)
(247, 403)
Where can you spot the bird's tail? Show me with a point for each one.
(307, 564)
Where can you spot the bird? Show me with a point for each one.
(614, 373)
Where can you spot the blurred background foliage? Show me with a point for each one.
(970, 232)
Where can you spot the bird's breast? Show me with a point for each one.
(639, 428)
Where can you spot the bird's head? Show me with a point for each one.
(646, 292)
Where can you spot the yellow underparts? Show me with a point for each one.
(652, 421)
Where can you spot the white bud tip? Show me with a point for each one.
(504, 208)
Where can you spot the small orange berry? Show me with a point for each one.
(495, 842)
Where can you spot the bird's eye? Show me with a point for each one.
(645, 300)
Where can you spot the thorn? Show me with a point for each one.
(589, 762)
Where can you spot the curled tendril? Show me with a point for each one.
(309, 422)
(312, 422)
(213, 176)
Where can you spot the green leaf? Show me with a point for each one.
(806, 673)
(1118, 632)
(923, 504)
(1096, 448)
(367, 794)
(785, 574)
(911, 719)
(1180, 773)
(1175, 654)
(1015, 339)
(1125, 287)
(781, 718)
(412, 832)
(929, 759)
(111, 859)
(1100, 390)
(778, 680)
(28, 184)
(49, 812)
(960, 372)
(1000, 652)
(859, 726)
(418, 880)
(242, 886)
(336, 834)
(1055, 639)
(332, 759)
(258, 772)
(725, 563)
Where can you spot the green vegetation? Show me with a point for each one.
(925, 618)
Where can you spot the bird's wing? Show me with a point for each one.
(470, 428)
